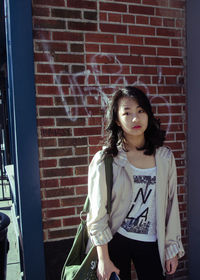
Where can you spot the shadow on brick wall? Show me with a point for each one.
(55, 256)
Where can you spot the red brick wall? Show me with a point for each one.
(84, 50)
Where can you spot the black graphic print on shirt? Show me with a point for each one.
(140, 216)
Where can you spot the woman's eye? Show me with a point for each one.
(141, 111)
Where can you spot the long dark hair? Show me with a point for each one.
(154, 136)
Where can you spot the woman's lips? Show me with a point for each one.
(136, 126)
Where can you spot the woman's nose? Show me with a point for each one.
(134, 118)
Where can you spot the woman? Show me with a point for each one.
(144, 224)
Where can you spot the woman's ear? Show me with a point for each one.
(118, 123)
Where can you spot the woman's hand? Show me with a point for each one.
(105, 265)
(105, 268)
(171, 265)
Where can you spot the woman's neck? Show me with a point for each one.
(132, 143)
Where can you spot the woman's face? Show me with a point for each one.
(131, 117)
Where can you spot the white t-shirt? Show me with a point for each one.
(140, 222)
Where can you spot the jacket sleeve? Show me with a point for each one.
(173, 243)
(97, 218)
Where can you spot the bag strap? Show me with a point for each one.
(108, 161)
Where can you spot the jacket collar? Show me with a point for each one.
(121, 158)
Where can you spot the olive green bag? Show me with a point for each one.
(78, 265)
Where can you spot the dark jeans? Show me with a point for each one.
(144, 255)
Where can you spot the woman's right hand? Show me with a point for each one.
(105, 268)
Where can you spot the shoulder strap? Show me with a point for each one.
(108, 160)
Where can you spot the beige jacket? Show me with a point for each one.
(101, 227)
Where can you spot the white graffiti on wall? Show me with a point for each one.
(76, 89)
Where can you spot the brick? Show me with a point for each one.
(90, 15)
(48, 163)
(81, 170)
(142, 20)
(55, 132)
(169, 22)
(67, 36)
(177, 61)
(62, 233)
(51, 47)
(144, 10)
(173, 13)
(142, 50)
(145, 70)
(83, 26)
(45, 122)
(114, 17)
(41, 57)
(51, 224)
(52, 183)
(87, 131)
(44, 101)
(168, 32)
(52, 203)
(82, 4)
(92, 48)
(124, 39)
(77, 68)
(57, 152)
(169, 89)
(85, 111)
(156, 3)
(113, 28)
(156, 61)
(71, 221)
(69, 58)
(69, 100)
(177, 4)
(103, 16)
(51, 213)
(171, 71)
(73, 161)
(93, 150)
(77, 48)
(114, 49)
(169, 52)
(73, 201)
(39, 11)
(51, 90)
(114, 7)
(157, 41)
(57, 172)
(81, 151)
(49, 24)
(47, 142)
(59, 192)
(156, 21)
(64, 13)
(67, 122)
(41, 34)
(101, 38)
(128, 19)
(51, 68)
(83, 190)
(142, 30)
(52, 111)
(74, 181)
(130, 59)
(94, 121)
(44, 79)
(72, 141)
(49, 2)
